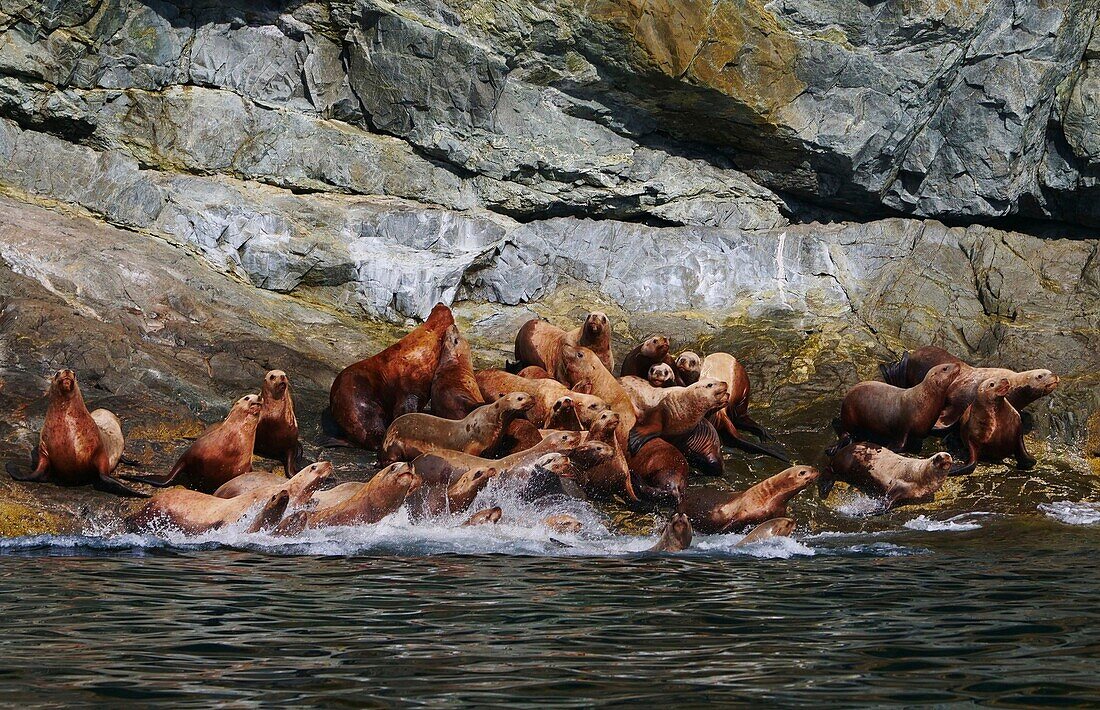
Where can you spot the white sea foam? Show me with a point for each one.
(959, 523)
(1071, 513)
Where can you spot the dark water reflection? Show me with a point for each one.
(1004, 614)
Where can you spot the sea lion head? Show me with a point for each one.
(689, 362)
(679, 530)
(994, 388)
(596, 323)
(589, 407)
(607, 420)
(564, 440)
(661, 374)
(941, 376)
(714, 392)
(554, 464)
(578, 363)
(275, 385)
(470, 482)
(489, 516)
(1038, 382)
(64, 383)
(590, 454)
(516, 402)
(563, 523)
(655, 347)
(248, 405)
(942, 462)
(398, 476)
(800, 477)
(453, 345)
(310, 478)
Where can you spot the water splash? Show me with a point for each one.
(1071, 513)
(959, 523)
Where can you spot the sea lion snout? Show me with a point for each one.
(943, 461)
(277, 383)
(66, 380)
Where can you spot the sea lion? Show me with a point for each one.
(1024, 388)
(534, 372)
(896, 418)
(366, 396)
(489, 516)
(411, 435)
(703, 448)
(645, 355)
(382, 495)
(776, 527)
(687, 366)
(716, 510)
(539, 343)
(676, 535)
(277, 430)
(661, 375)
(659, 472)
(76, 447)
(611, 478)
(440, 492)
(991, 428)
(702, 445)
(644, 395)
(222, 453)
(193, 512)
(728, 369)
(881, 472)
(911, 369)
(454, 392)
(550, 410)
(248, 482)
(679, 412)
(579, 365)
(563, 523)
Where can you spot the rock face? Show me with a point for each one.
(252, 179)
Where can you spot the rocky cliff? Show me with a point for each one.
(814, 184)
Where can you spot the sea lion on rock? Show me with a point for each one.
(611, 478)
(645, 355)
(76, 447)
(676, 535)
(703, 448)
(366, 396)
(579, 365)
(896, 418)
(881, 472)
(644, 395)
(1024, 388)
(991, 428)
(539, 343)
(717, 510)
(193, 512)
(489, 516)
(659, 472)
(414, 434)
(454, 392)
(277, 430)
(911, 369)
(661, 375)
(550, 410)
(222, 453)
(382, 495)
(679, 412)
(728, 369)
(687, 366)
(776, 527)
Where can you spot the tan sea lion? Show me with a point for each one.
(659, 472)
(1024, 388)
(643, 394)
(776, 527)
(728, 369)
(556, 406)
(645, 355)
(580, 365)
(76, 447)
(193, 512)
(248, 482)
(611, 478)
(539, 343)
(534, 372)
(883, 473)
(896, 418)
(368, 395)
(411, 435)
(676, 535)
(991, 428)
(489, 516)
(687, 366)
(454, 392)
(679, 412)
(563, 523)
(277, 430)
(222, 453)
(382, 495)
(661, 375)
(716, 510)
(441, 492)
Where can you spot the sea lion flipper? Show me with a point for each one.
(749, 424)
(636, 440)
(159, 481)
(894, 373)
(754, 448)
(39, 470)
(1024, 460)
(110, 484)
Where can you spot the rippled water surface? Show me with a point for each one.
(988, 608)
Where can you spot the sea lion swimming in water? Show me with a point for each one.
(414, 434)
(366, 396)
(776, 527)
(539, 343)
(991, 428)
(454, 392)
(676, 535)
(277, 430)
(883, 473)
(716, 510)
(489, 516)
(382, 495)
(76, 447)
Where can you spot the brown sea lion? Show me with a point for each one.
(896, 418)
(702, 445)
(676, 535)
(76, 447)
(551, 409)
(1024, 388)
(222, 453)
(382, 495)
(368, 395)
(442, 492)
(911, 369)
(277, 430)
(248, 482)
(679, 412)
(776, 527)
(611, 478)
(728, 369)
(193, 512)
(703, 448)
(659, 472)
(411, 435)
(717, 510)
(563, 523)
(645, 355)
(687, 366)
(579, 365)
(661, 375)
(489, 516)
(882, 473)
(534, 372)
(991, 428)
(539, 343)
(454, 392)
(643, 394)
